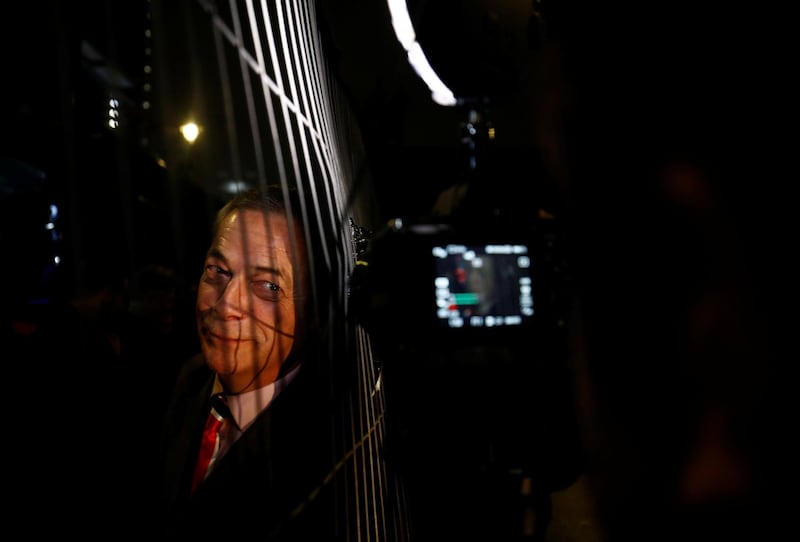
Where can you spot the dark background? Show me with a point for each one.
(589, 113)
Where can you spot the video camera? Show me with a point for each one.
(486, 273)
(441, 283)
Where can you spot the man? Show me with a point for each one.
(256, 369)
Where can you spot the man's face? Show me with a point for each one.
(247, 297)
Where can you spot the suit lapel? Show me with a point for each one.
(192, 402)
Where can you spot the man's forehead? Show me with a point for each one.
(263, 234)
(257, 218)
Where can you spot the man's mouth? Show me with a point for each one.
(224, 337)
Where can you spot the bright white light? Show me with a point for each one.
(113, 113)
(404, 30)
(439, 91)
(190, 131)
(401, 22)
(233, 186)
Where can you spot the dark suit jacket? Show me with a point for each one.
(265, 487)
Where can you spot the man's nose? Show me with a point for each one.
(232, 300)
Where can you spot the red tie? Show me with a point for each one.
(208, 447)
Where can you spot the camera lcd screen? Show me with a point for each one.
(485, 285)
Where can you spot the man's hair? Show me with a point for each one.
(268, 201)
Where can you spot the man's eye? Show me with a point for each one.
(266, 290)
(214, 273)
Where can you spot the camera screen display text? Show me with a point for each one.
(486, 285)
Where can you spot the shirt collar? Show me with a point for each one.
(245, 407)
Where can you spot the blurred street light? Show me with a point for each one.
(190, 131)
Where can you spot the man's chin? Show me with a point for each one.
(225, 361)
